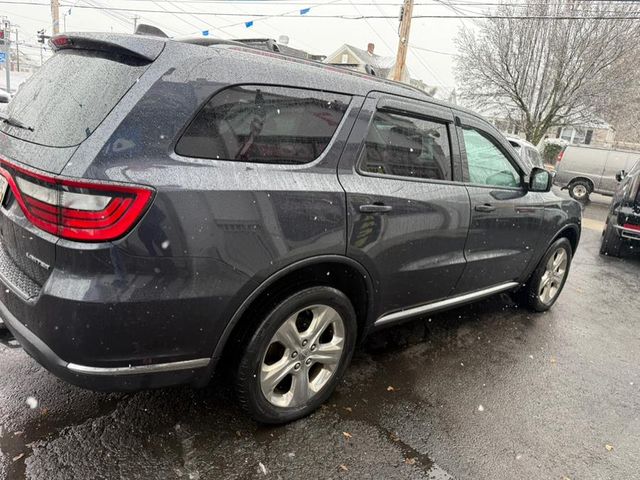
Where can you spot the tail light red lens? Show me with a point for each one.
(560, 155)
(81, 210)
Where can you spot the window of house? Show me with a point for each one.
(264, 125)
(407, 147)
(486, 162)
(345, 58)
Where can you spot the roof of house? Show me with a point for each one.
(381, 65)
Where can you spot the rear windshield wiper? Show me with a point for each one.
(14, 122)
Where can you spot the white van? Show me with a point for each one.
(584, 169)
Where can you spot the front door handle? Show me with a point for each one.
(375, 208)
(487, 207)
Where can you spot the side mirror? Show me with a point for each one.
(620, 175)
(539, 180)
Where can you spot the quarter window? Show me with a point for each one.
(407, 147)
(487, 164)
(264, 125)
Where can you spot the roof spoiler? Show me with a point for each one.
(150, 31)
(138, 47)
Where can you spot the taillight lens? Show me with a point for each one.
(560, 155)
(79, 210)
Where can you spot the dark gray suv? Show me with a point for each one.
(166, 204)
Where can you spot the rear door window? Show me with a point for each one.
(66, 100)
(264, 124)
(405, 146)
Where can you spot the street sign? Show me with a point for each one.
(3, 57)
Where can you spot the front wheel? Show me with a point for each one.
(548, 279)
(297, 355)
(580, 190)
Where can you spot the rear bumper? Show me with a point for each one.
(126, 378)
(121, 323)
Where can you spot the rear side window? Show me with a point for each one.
(66, 100)
(264, 125)
(407, 147)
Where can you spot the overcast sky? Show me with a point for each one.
(316, 35)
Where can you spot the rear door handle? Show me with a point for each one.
(375, 208)
(485, 208)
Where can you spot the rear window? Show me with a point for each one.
(66, 100)
(264, 125)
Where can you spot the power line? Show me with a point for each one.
(342, 17)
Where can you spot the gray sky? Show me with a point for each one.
(316, 35)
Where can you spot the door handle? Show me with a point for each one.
(375, 208)
(484, 208)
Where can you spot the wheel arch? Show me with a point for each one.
(338, 271)
(572, 233)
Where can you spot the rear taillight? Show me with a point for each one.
(630, 226)
(560, 155)
(80, 210)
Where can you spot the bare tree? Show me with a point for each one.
(543, 72)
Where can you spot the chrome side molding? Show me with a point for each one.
(139, 369)
(442, 304)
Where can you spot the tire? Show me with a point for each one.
(530, 294)
(270, 380)
(580, 190)
(612, 242)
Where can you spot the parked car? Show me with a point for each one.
(584, 169)
(221, 201)
(527, 151)
(622, 228)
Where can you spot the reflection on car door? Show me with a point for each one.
(407, 219)
(505, 218)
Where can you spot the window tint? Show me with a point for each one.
(264, 125)
(407, 147)
(66, 100)
(487, 164)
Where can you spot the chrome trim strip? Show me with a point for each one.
(628, 233)
(139, 369)
(449, 302)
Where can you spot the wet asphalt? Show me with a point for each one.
(488, 391)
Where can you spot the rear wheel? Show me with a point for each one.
(297, 356)
(548, 279)
(580, 190)
(612, 242)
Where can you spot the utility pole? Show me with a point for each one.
(55, 16)
(406, 12)
(135, 23)
(17, 50)
(5, 40)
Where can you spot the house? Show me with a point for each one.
(358, 59)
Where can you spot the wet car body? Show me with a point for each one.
(623, 222)
(158, 305)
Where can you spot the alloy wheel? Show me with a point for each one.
(554, 274)
(302, 356)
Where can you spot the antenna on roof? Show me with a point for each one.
(150, 30)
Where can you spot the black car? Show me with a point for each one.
(167, 204)
(622, 229)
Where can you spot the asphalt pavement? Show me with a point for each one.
(488, 391)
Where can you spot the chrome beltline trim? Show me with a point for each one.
(449, 302)
(139, 369)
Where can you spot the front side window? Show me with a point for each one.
(264, 125)
(487, 164)
(407, 147)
